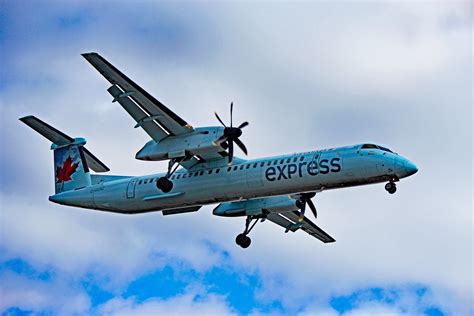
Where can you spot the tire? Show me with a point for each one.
(246, 242)
(239, 240)
(164, 184)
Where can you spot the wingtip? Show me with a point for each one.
(88, 54)
(24, 118)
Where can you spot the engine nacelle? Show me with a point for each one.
(275, 204)
(197, 142)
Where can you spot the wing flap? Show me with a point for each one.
(309, 227)
(168, 120)
(279, 220)
(143, 119)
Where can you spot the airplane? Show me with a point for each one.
(202, 169)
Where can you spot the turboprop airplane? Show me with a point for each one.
(278, 189)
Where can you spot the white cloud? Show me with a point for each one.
(39, 296)
(186, 304)
(320, 75)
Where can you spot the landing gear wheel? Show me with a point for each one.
(246, 242)
(243, 240)
(239, 239)
(164, 184)
(391, 187)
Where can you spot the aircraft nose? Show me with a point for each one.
(404, 167)
(410, 168)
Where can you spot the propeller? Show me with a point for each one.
(305, 198)
(231, 135)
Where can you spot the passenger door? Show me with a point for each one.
(131, 188)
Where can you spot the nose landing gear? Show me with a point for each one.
(242, 239)
(391, 187)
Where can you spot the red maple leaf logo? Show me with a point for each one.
(65, 172)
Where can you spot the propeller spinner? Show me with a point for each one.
(231, 135)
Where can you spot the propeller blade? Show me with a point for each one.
(231, 110)
(231, 152)
(312, 207)
(243, 124)
(241, 145)
(302, 209)
(219, 119)
(220, 140)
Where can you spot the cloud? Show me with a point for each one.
(39, 296)
(187, 304)
(305, 76)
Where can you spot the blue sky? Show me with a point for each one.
(306, 76)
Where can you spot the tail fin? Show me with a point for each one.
(71, 159)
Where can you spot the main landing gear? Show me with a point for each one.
(391, 187)
(242, 239)
(164, 183)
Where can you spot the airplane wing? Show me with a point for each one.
(289, 221)
(281, 210)
(149, 113)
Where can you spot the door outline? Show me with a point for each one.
(131, 188)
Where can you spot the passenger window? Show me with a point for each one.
(140, 182)
(248, 166)
(201, 173)
(295, 159)
(269, 163)
(282, 161)
(262, 164)
(255, 165)
(235, 168)
(178, 176)
(145, 181)
(241, 167)
(217, 170)
(289, 160)
(301, 158)
(275, 162)
(196, 173)
(210, 171)
(228, 168)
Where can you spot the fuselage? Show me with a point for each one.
(279, 175)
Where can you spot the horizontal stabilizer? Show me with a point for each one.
(60, 139)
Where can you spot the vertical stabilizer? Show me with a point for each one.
(70, 167)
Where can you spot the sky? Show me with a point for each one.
(306, 75)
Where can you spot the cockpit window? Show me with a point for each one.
(372, 146)
(385, 149)
(369, 146)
